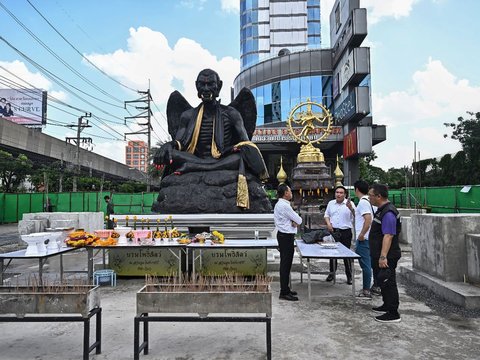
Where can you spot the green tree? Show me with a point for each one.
(467, 132)
(13, 171)
(370, 173)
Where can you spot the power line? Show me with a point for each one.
(78, 52)
(61, 60)
(55, 78)
(102, 120)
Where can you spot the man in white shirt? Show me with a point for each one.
(339, 218)
(363, 221)
(286, 222)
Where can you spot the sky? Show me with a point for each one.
(424, 64)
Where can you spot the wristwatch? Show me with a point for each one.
(382, 257)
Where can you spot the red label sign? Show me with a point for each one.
(350, 145)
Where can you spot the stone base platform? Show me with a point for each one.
(458, 293)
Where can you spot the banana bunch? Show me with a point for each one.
(218, 237)
(157, 234)
(174, 233)
(184, 241)
(107, 242)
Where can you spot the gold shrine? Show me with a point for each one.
(302, 124)
(310, 123)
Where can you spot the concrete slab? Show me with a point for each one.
(325, 328)
(458, 293)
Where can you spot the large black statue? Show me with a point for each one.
(211, 150)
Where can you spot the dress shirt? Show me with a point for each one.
(339, 214)
(283, 215)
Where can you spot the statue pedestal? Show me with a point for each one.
(208, 192)
(313, 178)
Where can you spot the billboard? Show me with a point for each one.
(24, 106)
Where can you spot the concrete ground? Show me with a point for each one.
(326, 328)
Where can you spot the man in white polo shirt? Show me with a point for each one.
(286, 222)
(363, 221)
(339, 219)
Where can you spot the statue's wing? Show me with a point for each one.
(245, 104)
(176, 105)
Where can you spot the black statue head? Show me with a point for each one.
(208, 85)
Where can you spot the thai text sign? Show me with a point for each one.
(234, 261)
(141, 261)
(281, 134)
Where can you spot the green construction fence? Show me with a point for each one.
(442, 199)
(13, 206)
(446, 199)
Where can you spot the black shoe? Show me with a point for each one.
(389, 317)
(379, 309)
(375, 290)
(294, 293)
(329, 277)
(288, 297)
(349, 281)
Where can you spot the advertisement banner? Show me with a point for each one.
(141, 261)
(233, 261)
(24, 106)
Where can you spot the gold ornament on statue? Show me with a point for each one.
(282, 175)
(338, 175)
(308, 121)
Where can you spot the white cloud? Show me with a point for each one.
(377, 11)
(435, 97)
(193, 4)
(232, 6)
(22, 73)
(114, 150)
(150, 57)
(380, 9)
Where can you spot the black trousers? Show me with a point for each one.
(346, 240)
(389, 287)
(287, 248)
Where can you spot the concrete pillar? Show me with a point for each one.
(473, 258)
(439, 243)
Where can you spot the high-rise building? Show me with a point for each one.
(270, 27)
(283, 64)
(136, 155)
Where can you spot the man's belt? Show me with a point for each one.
(341, 230)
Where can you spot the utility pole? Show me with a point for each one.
(146, 114)
(80, 126)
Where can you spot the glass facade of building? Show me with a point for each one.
(276, 100)
(266, 27)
